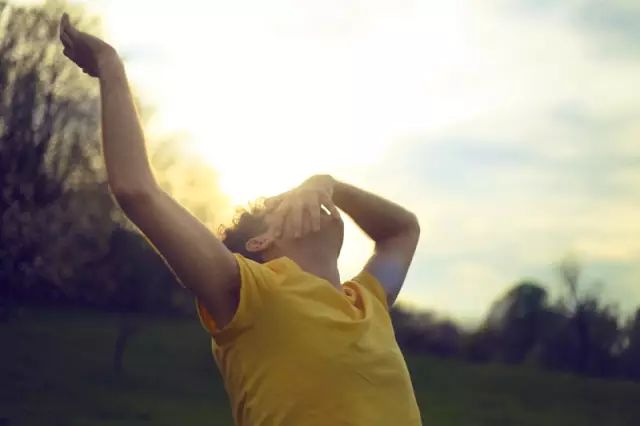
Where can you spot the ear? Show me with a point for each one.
(259, 243)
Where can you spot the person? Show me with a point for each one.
(294, 344)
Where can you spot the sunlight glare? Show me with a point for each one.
(269, 101)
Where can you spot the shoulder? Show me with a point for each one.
(257, 281)
(372, 285)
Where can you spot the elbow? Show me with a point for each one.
(412, 229)
(407, 231)
(413, 224)
(130, 198)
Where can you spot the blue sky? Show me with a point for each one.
(512, 128)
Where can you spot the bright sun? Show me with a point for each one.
(290, 89)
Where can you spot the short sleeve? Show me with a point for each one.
(256, 282)
(371, 283)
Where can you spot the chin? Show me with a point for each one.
(333, 239)
(328, 239)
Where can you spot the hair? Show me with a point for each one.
(246, 224)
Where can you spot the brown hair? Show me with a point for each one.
(246, 224)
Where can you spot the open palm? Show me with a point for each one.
(83, 49)
(287, 211)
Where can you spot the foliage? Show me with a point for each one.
(62, 237)
(576, 333)
(173, 380)
(49, 159)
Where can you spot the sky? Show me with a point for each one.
(511, 128)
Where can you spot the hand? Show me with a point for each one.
(83, 49)
(294, 205)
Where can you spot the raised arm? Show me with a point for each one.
(394, 229)
(199, 260)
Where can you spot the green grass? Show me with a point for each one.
(55, 370)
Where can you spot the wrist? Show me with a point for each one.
(108, 62)
(320, 182)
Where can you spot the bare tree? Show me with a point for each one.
(592, 330)
(48, 151)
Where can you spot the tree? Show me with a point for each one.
(49, 151)
(630, 351)
(422, 332)
(61, 234)
(58, 216)
(516, 321)
(582, 334)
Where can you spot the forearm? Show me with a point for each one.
(379, 218)
(123, 144)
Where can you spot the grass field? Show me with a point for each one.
(55, 370)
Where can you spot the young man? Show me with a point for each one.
(294, 344)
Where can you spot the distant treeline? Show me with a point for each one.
(577, 333)
(64, 241)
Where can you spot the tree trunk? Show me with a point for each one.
(126, 329)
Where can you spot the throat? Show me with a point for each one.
(320, 267)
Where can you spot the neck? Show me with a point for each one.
(313, 261)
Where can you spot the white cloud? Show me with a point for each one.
(360, 89)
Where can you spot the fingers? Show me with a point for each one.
(66, 40)
(65, 37)
(328, 203)
(315, 216)
(307, 226)
(288, 231)
(295, 217)
(272, 203)
(69, 53)
(65, 24)
(310, 214)
(277, 222)
(67, 29)
(287, 220)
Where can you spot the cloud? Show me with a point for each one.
(514, 207)
(510, 127)
(549, 170)
(612, 24)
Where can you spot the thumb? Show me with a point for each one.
(273, 202)
(67, 25)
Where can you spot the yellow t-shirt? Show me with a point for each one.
(298, 352)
